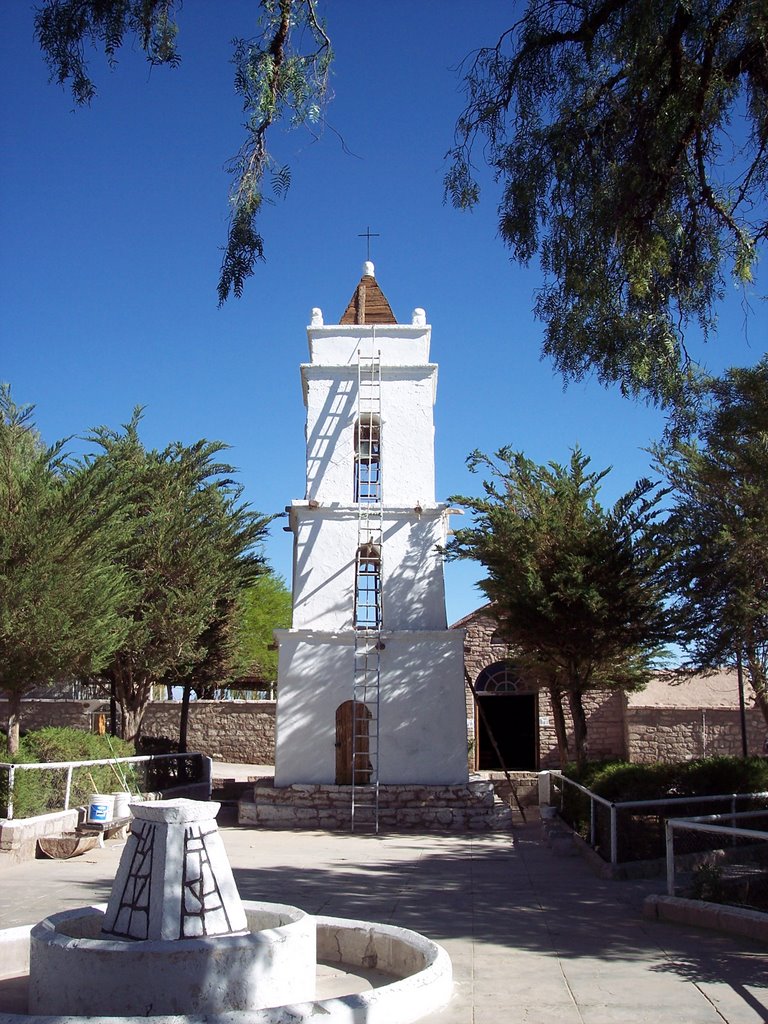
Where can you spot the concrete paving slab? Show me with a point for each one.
(533, 937)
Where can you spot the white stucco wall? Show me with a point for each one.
(399, 344)
(407, 433)
(422, 709)
(326, 542)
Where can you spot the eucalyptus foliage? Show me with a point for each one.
(281, 74)
(577, 588)
(631, 140)
(65, 27)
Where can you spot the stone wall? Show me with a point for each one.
(482, 646)
(678, 734)
(35, 714)
(605, 727)
(242, 731)
(473, 806)
(604, 709)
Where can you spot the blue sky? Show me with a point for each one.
(112, 219)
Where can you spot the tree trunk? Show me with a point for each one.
(14, 721)
(579, 726)
(133, 691)
(112, 709)
(561, 729)
(132, 718)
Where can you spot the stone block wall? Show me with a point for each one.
(473, 806)
(605, 727)
(242, 731)
(484, 646)
(605, 711)
(678, 734)
(35, 714)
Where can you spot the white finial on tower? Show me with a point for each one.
(368, 269)
(317, 317)
(419, 317)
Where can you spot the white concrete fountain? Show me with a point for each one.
(175, 941)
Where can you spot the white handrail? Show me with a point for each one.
(614, 806)
(13, 767)
(707, 823)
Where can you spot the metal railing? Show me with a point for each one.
(155, 772)
(729, 858)
(602, 810)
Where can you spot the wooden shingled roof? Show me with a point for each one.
(368, 305)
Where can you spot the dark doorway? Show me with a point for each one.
(512, 720)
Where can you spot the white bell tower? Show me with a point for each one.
(370, 680)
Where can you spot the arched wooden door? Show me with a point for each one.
(344, 734)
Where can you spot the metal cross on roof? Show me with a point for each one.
(368, 234)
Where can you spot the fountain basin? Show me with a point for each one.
(75, 971)
(420, 970)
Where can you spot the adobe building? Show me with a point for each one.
(666, 721)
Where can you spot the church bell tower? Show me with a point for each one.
(370, 680)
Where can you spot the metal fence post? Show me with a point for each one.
(670, 850)
(592, 815)
(11, 777)
(614, 836)
(545, 788)
(68, 789)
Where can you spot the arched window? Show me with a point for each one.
(500, 677)
(368, 587)
(368, 458)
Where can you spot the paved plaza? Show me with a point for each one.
(533, 937)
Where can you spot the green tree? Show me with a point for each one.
(719, 524)
(267, 606)
(577, 588)
(631, 140)
(237, 641)
(281, 73)
(60, 590)
(191, 547)
(241, 640)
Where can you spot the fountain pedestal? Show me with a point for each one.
(175, 938)
(174, 879)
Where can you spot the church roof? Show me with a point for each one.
(368, 304)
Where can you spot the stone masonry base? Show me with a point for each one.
(470, 807)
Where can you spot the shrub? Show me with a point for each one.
(618, 781)
(707, 884)
(725, 775)
(36, 792)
